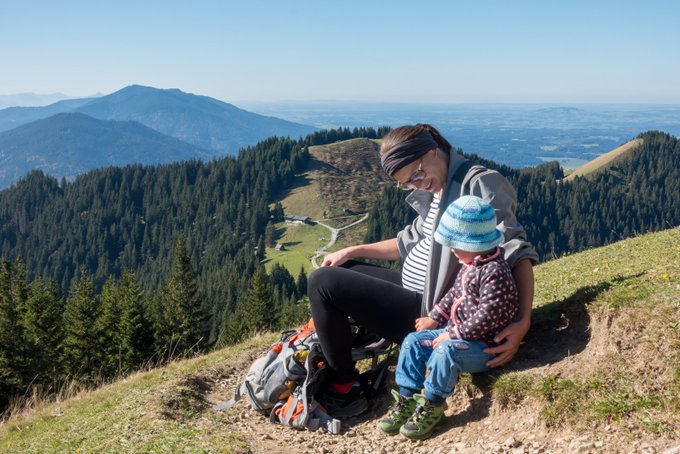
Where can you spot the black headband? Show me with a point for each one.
(406, 152)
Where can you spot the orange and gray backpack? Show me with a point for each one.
(284, 381)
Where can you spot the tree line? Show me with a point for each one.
(48, 340)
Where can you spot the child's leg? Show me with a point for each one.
(447, 361)
(413, 358)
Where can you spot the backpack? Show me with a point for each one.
(283, 382)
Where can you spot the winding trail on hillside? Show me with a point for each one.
(334, 237)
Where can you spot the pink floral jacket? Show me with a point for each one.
(482, 301)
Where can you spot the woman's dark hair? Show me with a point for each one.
(404, 133)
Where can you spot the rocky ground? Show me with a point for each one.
(472, 425)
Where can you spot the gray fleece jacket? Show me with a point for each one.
(443, 266)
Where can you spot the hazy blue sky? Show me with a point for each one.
(428, 51)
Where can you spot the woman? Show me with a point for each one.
(387, 302)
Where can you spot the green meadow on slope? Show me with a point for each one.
(603, 351)
(341, 176)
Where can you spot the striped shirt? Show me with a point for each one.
(415, 265)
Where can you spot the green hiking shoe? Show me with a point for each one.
(398, 414)
(423, 420)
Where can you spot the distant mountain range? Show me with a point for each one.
(30, 99)
(13, 117)
(199, 120)
(169, 125)
(69, 144)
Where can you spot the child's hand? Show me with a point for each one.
(425, 323)
(443, 337)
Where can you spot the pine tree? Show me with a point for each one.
(81, 358)
(259, 309)
(109, 344)
(44, 326)
(13, 367)
(183, 316)
(301, 283)
(261, 249)
(135, 329)
(277, 212)
(270, 235)
(236, 327)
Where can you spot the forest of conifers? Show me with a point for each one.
(125, 267)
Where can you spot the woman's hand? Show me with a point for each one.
(443, 337)
(425, 323)
(513, 335)
(337, 258)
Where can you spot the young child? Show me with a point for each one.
(482, 301)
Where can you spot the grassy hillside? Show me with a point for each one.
(332, 183)
(600, 368)
(300, 241)
(605, 160)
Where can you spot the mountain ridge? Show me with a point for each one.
(69, 144)
(203, 121)
(199, 120)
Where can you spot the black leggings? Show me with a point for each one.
(371, 295)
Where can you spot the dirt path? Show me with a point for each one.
(334, 238)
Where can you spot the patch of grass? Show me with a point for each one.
(300, 241)
(187, 398)
(304, 198)
(564, 398)
(614, 405)
(350, 237)
(628, 292)
(511, 389)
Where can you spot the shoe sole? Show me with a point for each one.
(424, 436)
(389, 432)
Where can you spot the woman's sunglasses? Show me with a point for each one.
(416, 179)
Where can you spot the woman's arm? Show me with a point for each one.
(382, 250)
(523, 273)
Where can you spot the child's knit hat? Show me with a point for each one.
(469, 224)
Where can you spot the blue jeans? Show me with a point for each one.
(445, 362)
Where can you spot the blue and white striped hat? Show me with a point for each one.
(469, 224)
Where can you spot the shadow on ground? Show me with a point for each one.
(559, 329)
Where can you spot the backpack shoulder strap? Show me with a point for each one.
(465, 173)
(229, 403)
(462, 170)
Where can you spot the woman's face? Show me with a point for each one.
(430, 172)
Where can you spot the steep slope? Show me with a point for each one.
(605, 160)
(202, 121)
(69, 144)
(598, 372)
